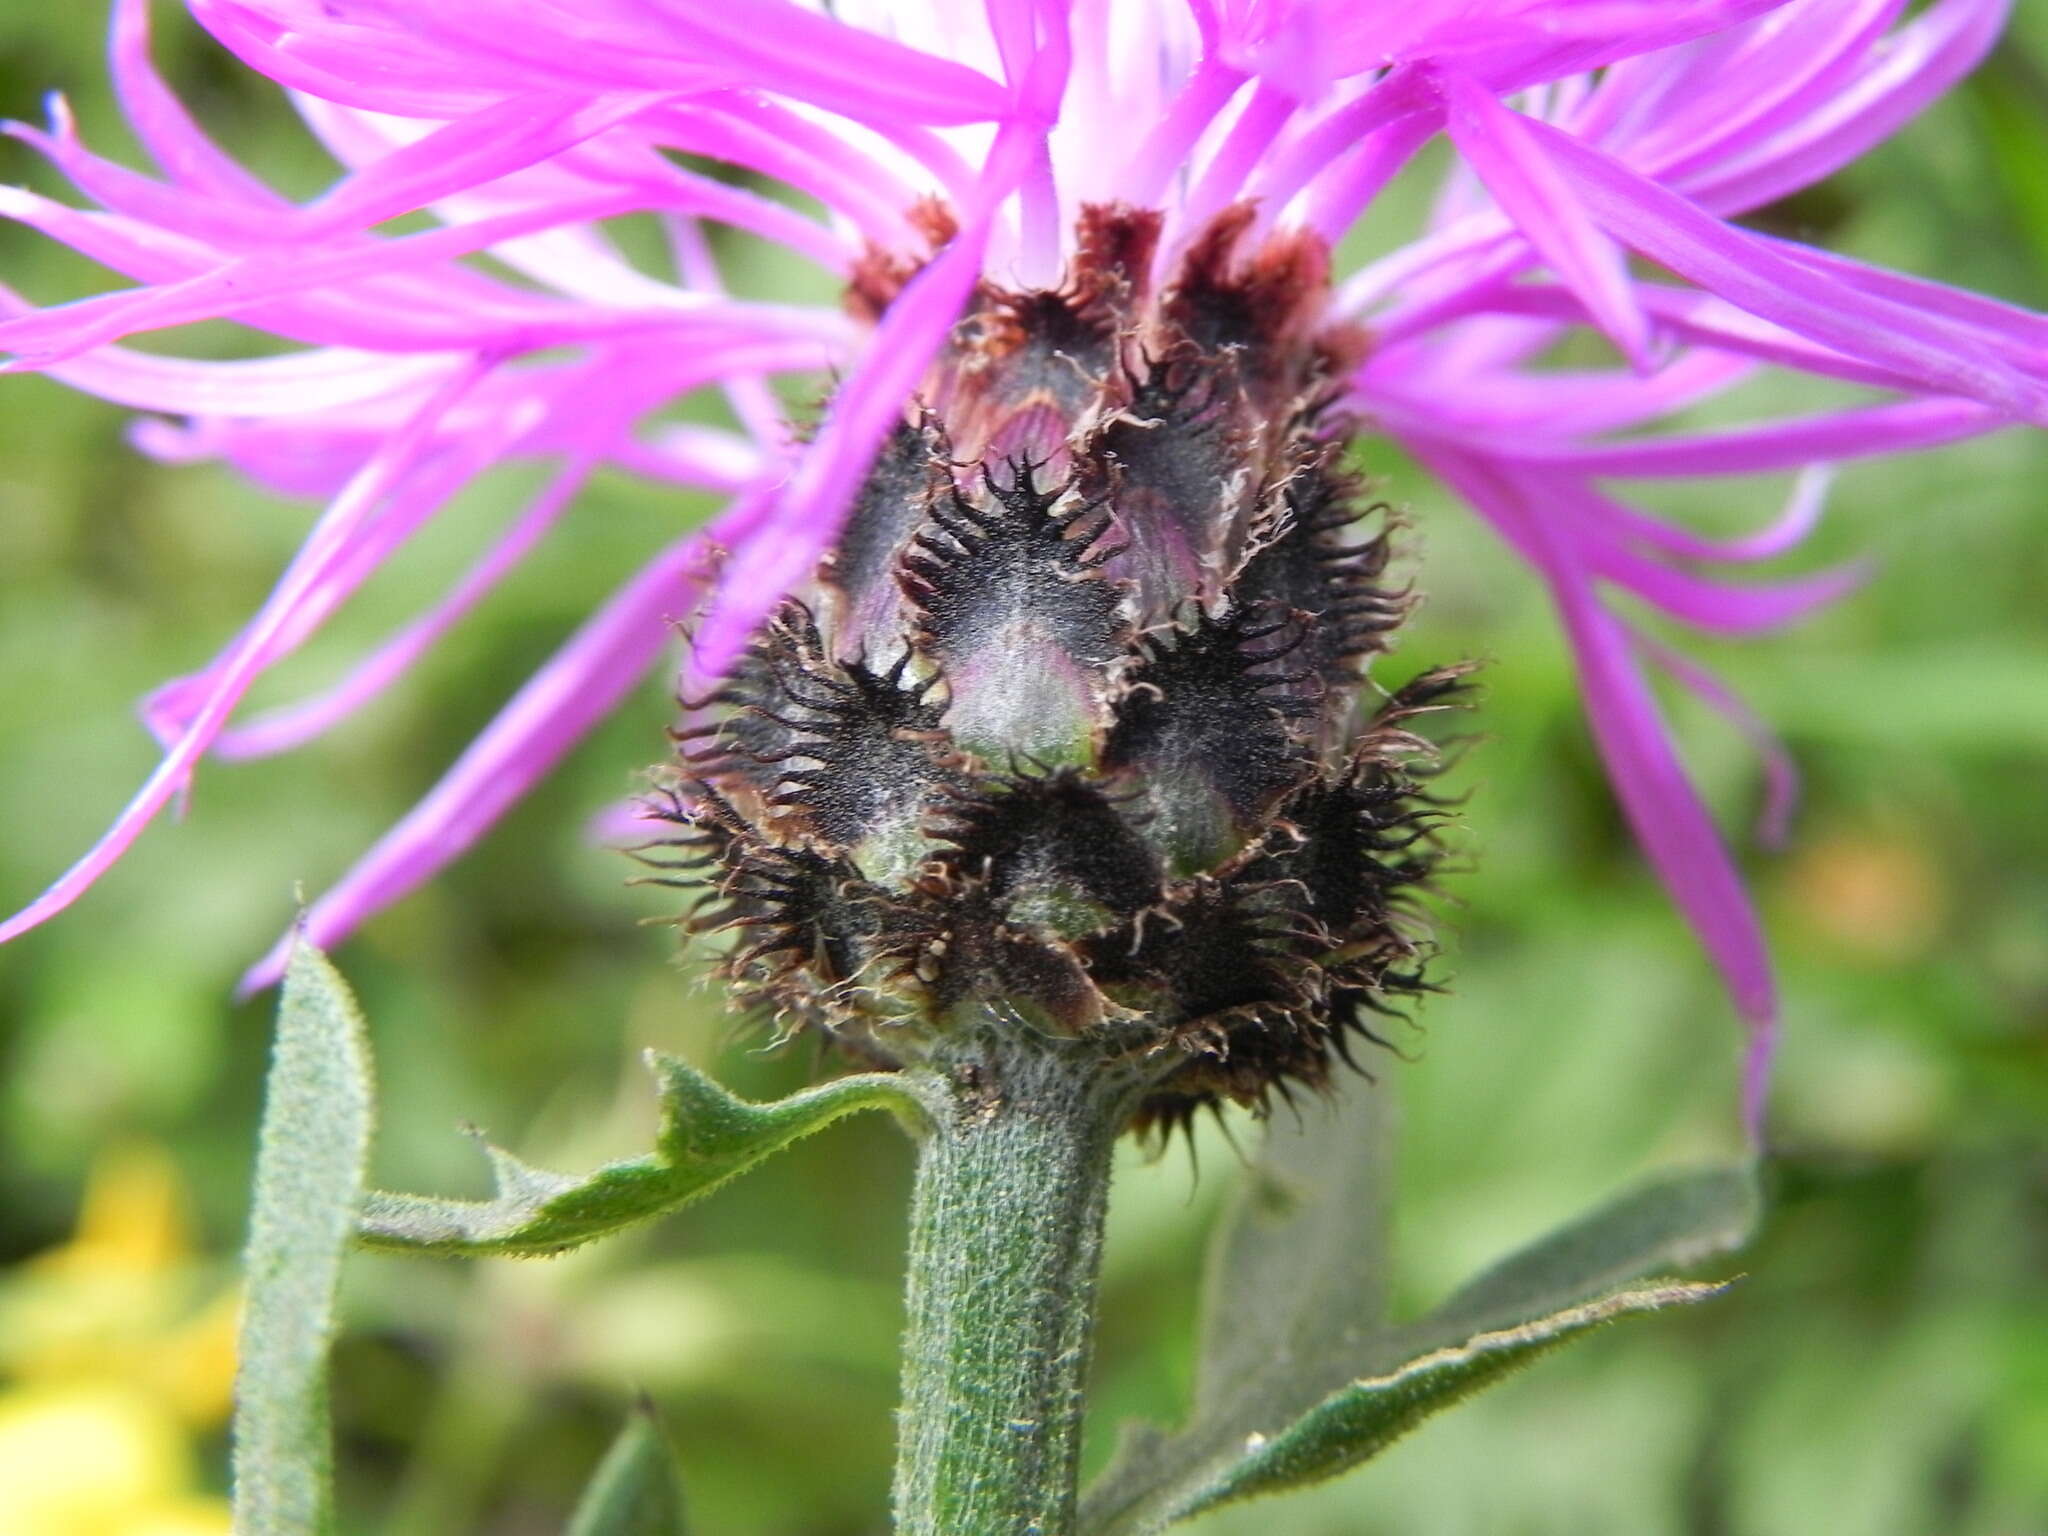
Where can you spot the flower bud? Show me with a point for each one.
(1072, 732)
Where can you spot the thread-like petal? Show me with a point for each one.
(556, 708)
(160, 120)
(445, 58)
(1781, 773)
(1860, 432)
(248, 656)
(292, 725)
(1548, 212)
(1747, 271)
(814, 503)
(1892, 86)
(1662, 807)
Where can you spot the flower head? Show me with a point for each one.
(1069, 736)
(1602, 148)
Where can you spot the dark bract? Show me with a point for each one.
(1072, 731)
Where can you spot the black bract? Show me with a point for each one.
(1072, 732)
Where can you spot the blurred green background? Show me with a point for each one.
(1883, 1371)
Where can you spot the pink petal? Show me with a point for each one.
(779, 144)
(265, 45)
(2021, 333)
(752, 402)
(814, 502)
(445, 61)
(1491, 398)
(1748, 271)
(504, 138)
(1163, 152)
(265, 277)
(1223, 179)
(595, 403)
(161, 122)
(1340, 194)
(1546, 210)
(382, 313)
(1718, 100)
(804, 54)
(697, 456)
(579, 686)
(1721, 607)
(1685, 315)
(279, 730)
(1781, 774)
(169, 711)
(1783, 533)
(127, 192)
(245, 660)
(1860, 432)
(1401, 94)
(290, 385)
(811, 507)
(1668, 817)
(581, 262)
(1915, 65)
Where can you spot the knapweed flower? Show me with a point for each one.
(923, 152)
(1067, 733)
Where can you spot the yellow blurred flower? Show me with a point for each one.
(116, 1349)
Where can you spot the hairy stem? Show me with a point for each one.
(1005, 1241)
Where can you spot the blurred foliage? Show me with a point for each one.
(1884, 1372)
(118, 1352)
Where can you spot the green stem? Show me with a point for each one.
(1005, 1242)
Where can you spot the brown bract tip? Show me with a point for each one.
(879, 273)
(1270, 301)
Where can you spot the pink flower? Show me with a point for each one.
(1586, 132)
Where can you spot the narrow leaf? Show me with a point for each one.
(1669, 1223)
(1361, 1420)
(1305, 1233)
(1301, 1376)
(310, 1157)
(636, 1490)
(707, 1137)
(1293, 1303)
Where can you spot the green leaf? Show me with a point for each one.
(1292, 1305)
(1669, 1223)
(636, 1490)
(1301, 1377)
(314, 1144)
(707, 1137)
(1358, 1421)
(1305, 1232)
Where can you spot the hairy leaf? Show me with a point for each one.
(1364, 1417)
(636, 1490)
(1668, 1223)
(313, 1147)
(707, 1137)
(1301, 1376)
(1305, 1235)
